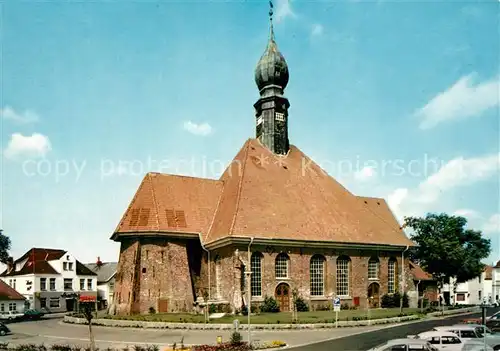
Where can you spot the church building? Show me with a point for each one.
(274, 224)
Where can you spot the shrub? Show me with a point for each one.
(394, 300)
(301, 305)
(152, 310)
(270, 305)
(212, 309)
(236, 338)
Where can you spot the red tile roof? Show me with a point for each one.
(266, 196)
(418, 273)
(8, 293)
(497, 265)
(36, 262)
(488, 270)
(171, 203)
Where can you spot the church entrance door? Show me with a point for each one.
(374, 295)
(283, 296)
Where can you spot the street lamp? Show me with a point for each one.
(484, 307)
(249, 304)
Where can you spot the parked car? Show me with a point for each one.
(405, 345)
(3, 329)
(445, 340)
(33, 314)
(473, 332)
(11, 315)
(493, 322)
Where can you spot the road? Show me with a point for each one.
(365, 341)
(54, 331)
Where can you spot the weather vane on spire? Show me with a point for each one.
(271, 19)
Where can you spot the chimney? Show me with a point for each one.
(99, 262)
(10, 264)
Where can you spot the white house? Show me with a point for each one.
(106, 272)
(51, 279)
(10, 299)
(495, 291)
(472, 292)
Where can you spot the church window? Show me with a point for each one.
(259, 120)
(218, 276)
(343, 275)
(317, 275)
(280, 117)
(373, 268)
(256, 276)
(281, 266)
(391, 276)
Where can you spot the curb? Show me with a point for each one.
(201, 326)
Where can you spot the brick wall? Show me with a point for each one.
(170, 275)
(299, 276)
(156, 273)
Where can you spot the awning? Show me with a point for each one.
(87, 298)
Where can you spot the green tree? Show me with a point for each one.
(4, 247)
(447, 248)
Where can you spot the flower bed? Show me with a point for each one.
(221, 347)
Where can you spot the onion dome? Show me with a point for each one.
(271, 68)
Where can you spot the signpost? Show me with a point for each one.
(336, 309)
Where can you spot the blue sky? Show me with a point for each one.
(95, 94)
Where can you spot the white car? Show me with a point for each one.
(473, 332)
(444, 340)
(11, 315)
(405, 345)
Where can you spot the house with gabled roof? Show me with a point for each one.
(275, 222)
(106, 272)
(425, 286)
(10, 299)
(495, 282)
(50, 279)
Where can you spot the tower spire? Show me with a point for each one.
(271, 110)
(271, 28)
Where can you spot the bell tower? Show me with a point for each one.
(271, 110)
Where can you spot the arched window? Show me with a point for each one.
(317, 275)
(281, 266)
(343, 275)
(218, 277)
(391, 276)
(256, 277)
(373, 268)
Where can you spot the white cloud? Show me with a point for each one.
(456, 173)
(283, 10)
(493, 224)
(467, 213)
(462, 100)
(365, 174)
(28, 116)
(198, 129)
(36, 145)
(317, 29)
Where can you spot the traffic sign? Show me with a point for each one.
(336, 304)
